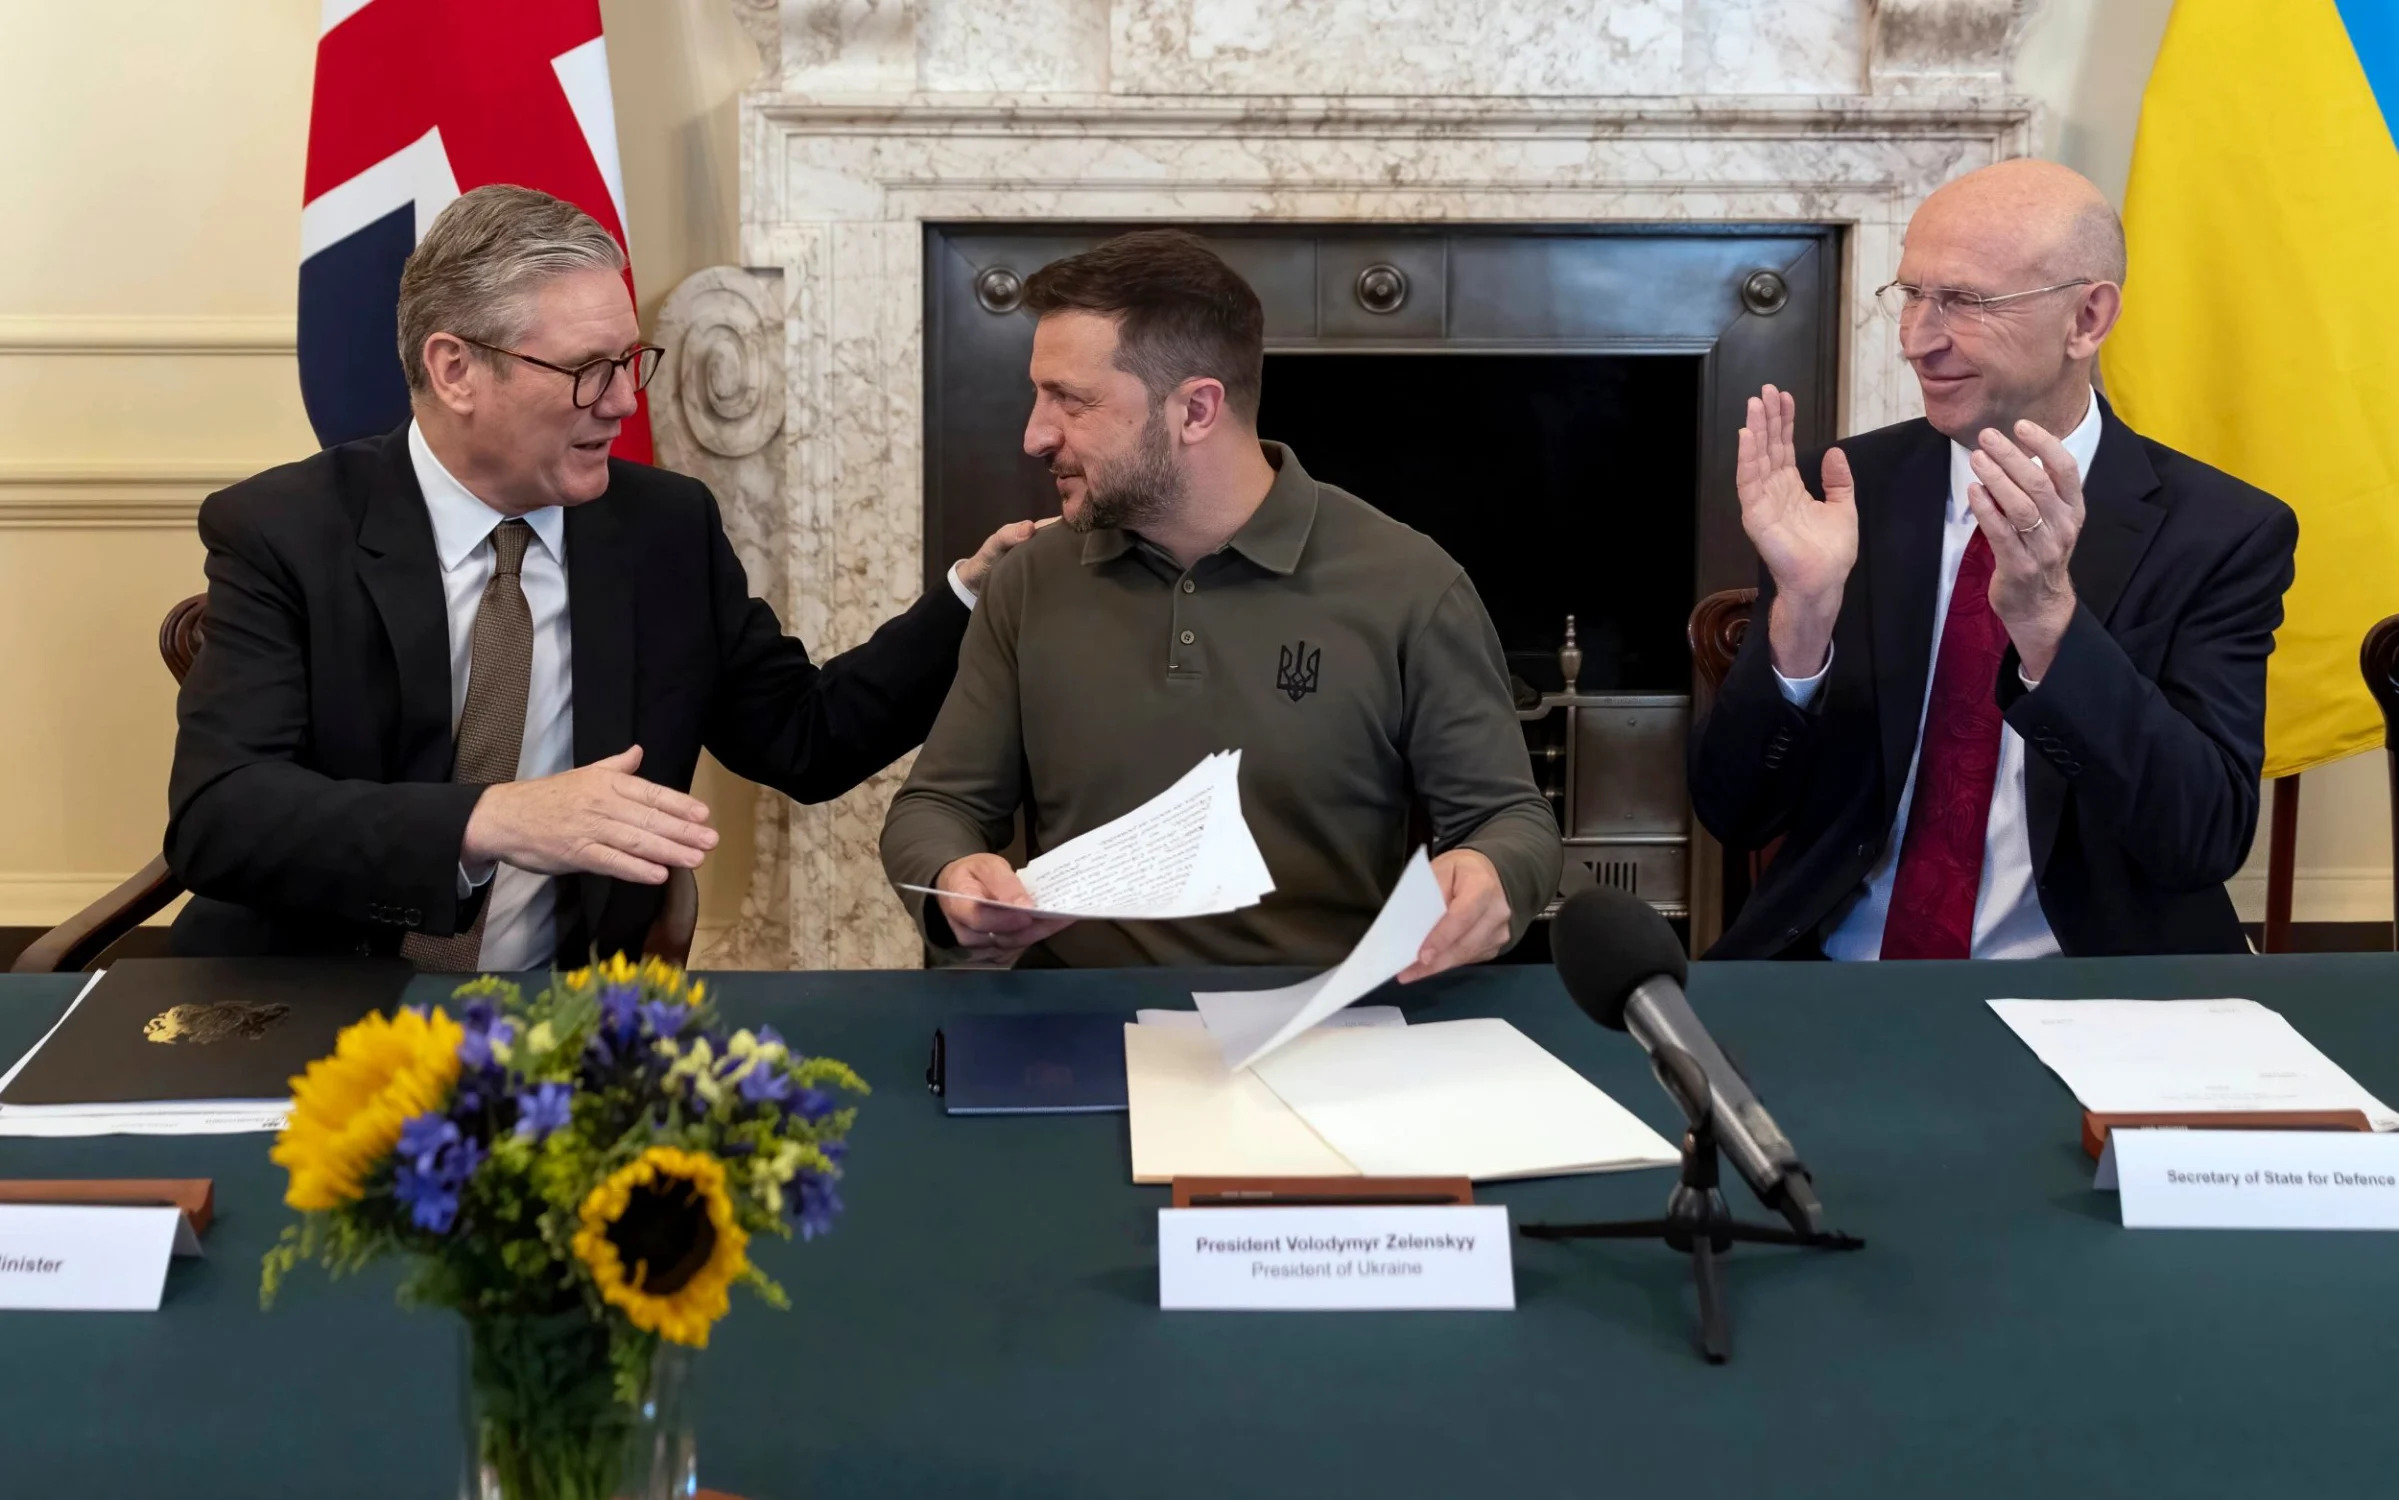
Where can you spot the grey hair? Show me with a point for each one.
(478, 268)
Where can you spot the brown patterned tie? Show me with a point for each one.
(491, 729)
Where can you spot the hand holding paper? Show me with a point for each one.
(1184, 853)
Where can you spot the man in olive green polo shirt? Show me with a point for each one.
(1206, 594)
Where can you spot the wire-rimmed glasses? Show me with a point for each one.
(1954, 307)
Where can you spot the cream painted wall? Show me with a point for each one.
(146, 291)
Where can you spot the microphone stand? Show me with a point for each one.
(1697, 1221)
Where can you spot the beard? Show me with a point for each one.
(1124, 493)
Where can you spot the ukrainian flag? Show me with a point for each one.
(2261, 322)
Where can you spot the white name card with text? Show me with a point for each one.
(1320, 1259)
(79, 1258)
(2254, 1179)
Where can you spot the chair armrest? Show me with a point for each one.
(83, 937)
(678, 918)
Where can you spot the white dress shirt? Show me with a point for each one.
(2008, 922)
(521, 930)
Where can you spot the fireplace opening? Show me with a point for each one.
(1564, 484)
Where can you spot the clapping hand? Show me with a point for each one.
(1809, 546)
(2031, 514)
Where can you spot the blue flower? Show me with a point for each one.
(820, 1203)
(483, 1026)
(543, 1109)
(665, 1017)
(766, 1083)
(436, 1160)
(618, 1002)
(813, 1105)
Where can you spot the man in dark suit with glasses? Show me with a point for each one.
(2003, 694)
(457, 678)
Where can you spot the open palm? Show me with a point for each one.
(1809, 546)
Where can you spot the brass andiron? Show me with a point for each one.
(1570, 657)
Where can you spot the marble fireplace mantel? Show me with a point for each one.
(795, 384)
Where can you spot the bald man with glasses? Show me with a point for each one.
(2003, 694)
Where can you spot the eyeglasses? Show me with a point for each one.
(1950, 306)
(592, 378)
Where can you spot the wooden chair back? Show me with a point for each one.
(1719, 624)
(2378, 662)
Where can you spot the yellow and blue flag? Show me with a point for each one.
(2261, 311)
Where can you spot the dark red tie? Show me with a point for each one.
(1957, 761)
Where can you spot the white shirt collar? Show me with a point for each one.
(2082, 445)
(461, 522)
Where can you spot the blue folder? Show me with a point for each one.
(1039, 1064)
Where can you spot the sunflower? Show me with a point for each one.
(347, 1109)
(660, 1241)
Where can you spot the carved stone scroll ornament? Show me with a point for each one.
(716, 413)
(1944, 46)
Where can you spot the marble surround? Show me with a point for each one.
(795, 384)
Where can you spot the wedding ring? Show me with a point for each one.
(2038, 523)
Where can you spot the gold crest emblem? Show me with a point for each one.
(219, 1021)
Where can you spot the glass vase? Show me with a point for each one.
(542, 1420)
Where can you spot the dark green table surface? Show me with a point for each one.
(984, 1321)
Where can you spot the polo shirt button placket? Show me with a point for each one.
(1187, 637)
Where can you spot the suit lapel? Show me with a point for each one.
(402, 573)
(2119, 516)
(600, 605)
(1902, 546)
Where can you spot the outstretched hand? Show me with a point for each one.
(1809, 546)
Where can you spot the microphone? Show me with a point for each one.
(1625, 969)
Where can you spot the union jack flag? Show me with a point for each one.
(417, 101)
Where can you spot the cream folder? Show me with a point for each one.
(1478, 1099)
(1194, 1117)
(1475, 1099)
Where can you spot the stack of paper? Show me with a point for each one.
(2185, 1056)
(1249, 1024)
(157, 1117)
(1287, 1083)
(1474, 1099)
(1186, 852)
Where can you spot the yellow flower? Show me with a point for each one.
(347, 1109)
(660, 1241)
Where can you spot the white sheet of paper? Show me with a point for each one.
(85, 1257)
(1191, 1116)
(1252, 1023)
(1334, 1258)
(2136, 1056)
(1186, 852)
(1475, 1099)
(2252, 1179)
(1356, 1015)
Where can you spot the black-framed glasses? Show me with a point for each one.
(593, 377)
(1954, 307)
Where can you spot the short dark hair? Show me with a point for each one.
(1181, 311)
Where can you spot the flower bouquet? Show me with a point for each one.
(578, 1176)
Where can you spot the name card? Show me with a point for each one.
(2253, 1179)
(1316, 1259)
(84, 1259)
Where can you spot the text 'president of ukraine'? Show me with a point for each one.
(457, 678)
(2008, 697)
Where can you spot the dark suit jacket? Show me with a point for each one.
(311, 810)
(2143, 743)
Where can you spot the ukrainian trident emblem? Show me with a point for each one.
(1297, 673)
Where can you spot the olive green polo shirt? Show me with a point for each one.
(1344, 654)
